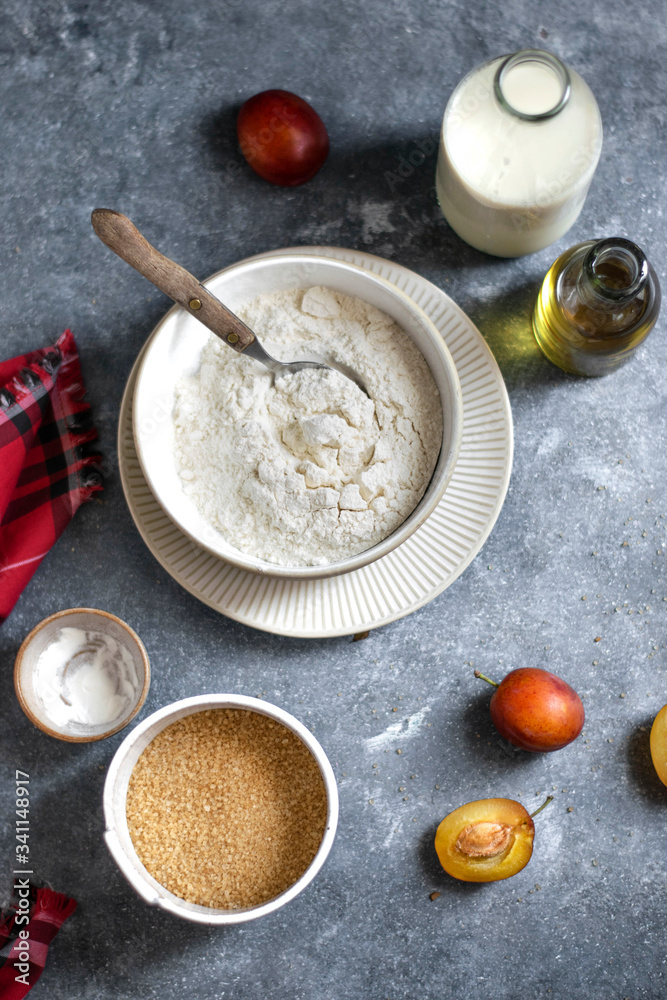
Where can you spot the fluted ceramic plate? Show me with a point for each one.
(413, 573)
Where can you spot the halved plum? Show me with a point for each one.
(486, 840)
(659, 744)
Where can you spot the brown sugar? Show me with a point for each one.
(226, 808)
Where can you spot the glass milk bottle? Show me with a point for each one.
(521, 138)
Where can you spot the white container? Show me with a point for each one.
(175, 349)
(521, 138)
(117, 834)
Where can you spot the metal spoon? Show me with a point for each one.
(123, 237)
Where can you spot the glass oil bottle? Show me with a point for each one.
(598, 302)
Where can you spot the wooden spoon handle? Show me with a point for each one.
(123, 237)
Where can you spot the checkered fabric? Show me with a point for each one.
(46, 470)
(27, 956)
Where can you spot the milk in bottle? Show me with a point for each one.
(521, 138)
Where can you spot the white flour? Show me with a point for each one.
(309, 470)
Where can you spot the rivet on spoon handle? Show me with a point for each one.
(123, 237)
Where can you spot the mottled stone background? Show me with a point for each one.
(132, 105)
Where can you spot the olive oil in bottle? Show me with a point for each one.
(598, 302)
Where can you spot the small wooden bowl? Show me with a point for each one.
(34, 644)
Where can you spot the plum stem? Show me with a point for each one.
(485, 678)
(546, 802)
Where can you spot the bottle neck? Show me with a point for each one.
(614, 273)
(532, 85)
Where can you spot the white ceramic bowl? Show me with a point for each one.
(88, 619)
(118, 837)
(175, 349)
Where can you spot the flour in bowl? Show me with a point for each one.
(307, 470)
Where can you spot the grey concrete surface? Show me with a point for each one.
(132, 105)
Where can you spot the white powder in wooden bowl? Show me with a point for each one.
(308, 470)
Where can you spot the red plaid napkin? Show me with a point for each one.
(27, 957)
(45, 472)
